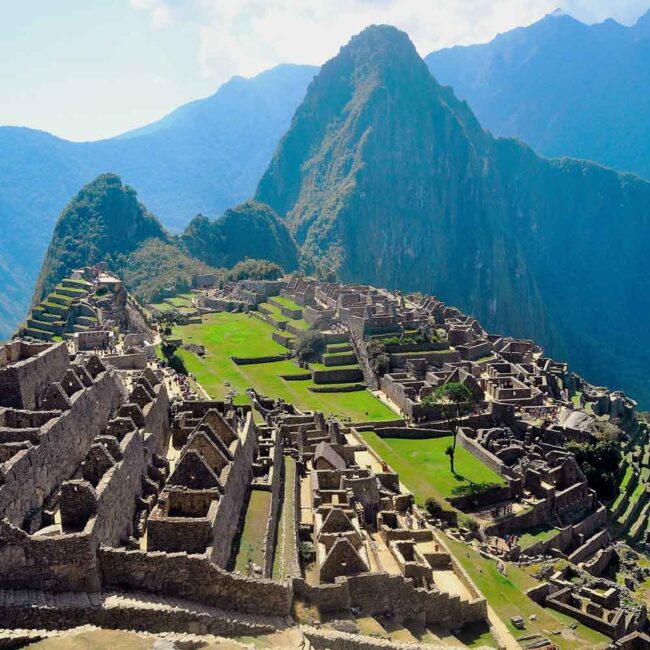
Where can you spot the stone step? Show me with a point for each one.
(131, 611)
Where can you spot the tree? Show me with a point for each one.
(600, 463)
(379, 360)
(250, 269)
(165, 320)
(309, 347)
(451, 451)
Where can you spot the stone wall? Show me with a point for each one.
(32, 475)
(277, 483)
(23, 382)
(322, 639)
(60, 563)
(192, 577)
(337, 375)
(481, 453)
(437, 359)
(377, 593)
(235, 491)
(136, 361)
(117, 492)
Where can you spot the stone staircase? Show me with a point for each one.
(29, 609)
(359, 346)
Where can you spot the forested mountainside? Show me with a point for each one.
(249, 230)
(105, 222)
(386, 177)
(563, 87)
(204, 157)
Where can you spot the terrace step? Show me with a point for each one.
(90, 321)
(55, 307)
(59, 299)
(334, 348)
(70, 291)
(54, 327)
(75, 284)
(639, 526)
(46, 316)
(37, 334)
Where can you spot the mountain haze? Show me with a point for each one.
(386, 177)
(204, 157)
(565, 88)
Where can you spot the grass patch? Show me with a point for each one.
(224, 335)
(506, 596)
(253, 534)
(285, 558)
(535, 535)
(286, 302)
(424, 468)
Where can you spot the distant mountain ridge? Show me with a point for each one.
(206, 156)
(563, 87)
(385, 177)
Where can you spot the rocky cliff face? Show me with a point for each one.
(564, 87)
(386, 177)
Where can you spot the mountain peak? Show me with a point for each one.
(643, 24)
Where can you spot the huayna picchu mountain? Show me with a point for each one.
(386, 177)
(105, 222)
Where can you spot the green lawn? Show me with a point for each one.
(286, 302)
(275, 312)
(506, 595)
(285, 560)
(537, 535)
(424, 468)
(225, 335)
(252, 537)
(181, 300)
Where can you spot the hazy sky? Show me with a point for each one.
(87, 69)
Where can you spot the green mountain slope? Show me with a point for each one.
(105, 222)
(565, 88)
(249, 230)
(204, 157)
(388, 178)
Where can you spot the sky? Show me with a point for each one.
(91, 69)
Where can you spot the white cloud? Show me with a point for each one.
(247, 36)
(161, 13)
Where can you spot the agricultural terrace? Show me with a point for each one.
(423, 466)
(224, 335)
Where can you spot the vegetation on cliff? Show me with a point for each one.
(250, 230)
(105, 219)
(106, 223)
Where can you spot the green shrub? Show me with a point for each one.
(309, 347)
